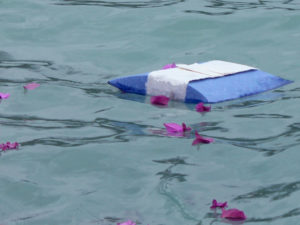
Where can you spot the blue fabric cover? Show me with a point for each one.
(211, 90)
(131, 84)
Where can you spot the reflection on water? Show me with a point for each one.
(122, 4)
(5, 56)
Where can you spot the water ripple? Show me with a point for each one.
(47, 72)
(164, 190)
(270, 145)
(263, 116)
(34, 122)
(242, 103)
(29, 217)
(260, 100)
(174, 161)
(169, 175)
(224, 7)
(122, 132)
(275, 191)
(24, 64)
(124, 4)
(291, 213)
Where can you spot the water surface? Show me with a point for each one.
(93, 155)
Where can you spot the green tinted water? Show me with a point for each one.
(90, 155)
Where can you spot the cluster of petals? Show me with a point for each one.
(169, 66)
(174, 127)
(8, 146)
(216, 204)
(199, 139)
(4, 95)
(31, 86)
(159, 100)
(129, 222)
(15, 145)
(164, 100)
(200, 107)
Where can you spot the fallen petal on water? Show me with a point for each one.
(169, 66)
(159, 100)
(202, 108)
(9, 146)
(199, 139)
(129, 222)
(216, 204)
(185, 128)
(4, 95)
(233, 214)
(31, 86)
(173, 127)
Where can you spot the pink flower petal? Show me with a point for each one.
(31, 86)
(129, 222)
(3, 147)
(4, 95)
(199, 139)
(196, 141)
(185, 128)
(201, 108)
(233, 214)
(8, 146)
(174, 127)
(12, 145)
(159, 100)
(216, 204)
(169, 66)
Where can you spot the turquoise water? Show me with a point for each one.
(92, 155)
